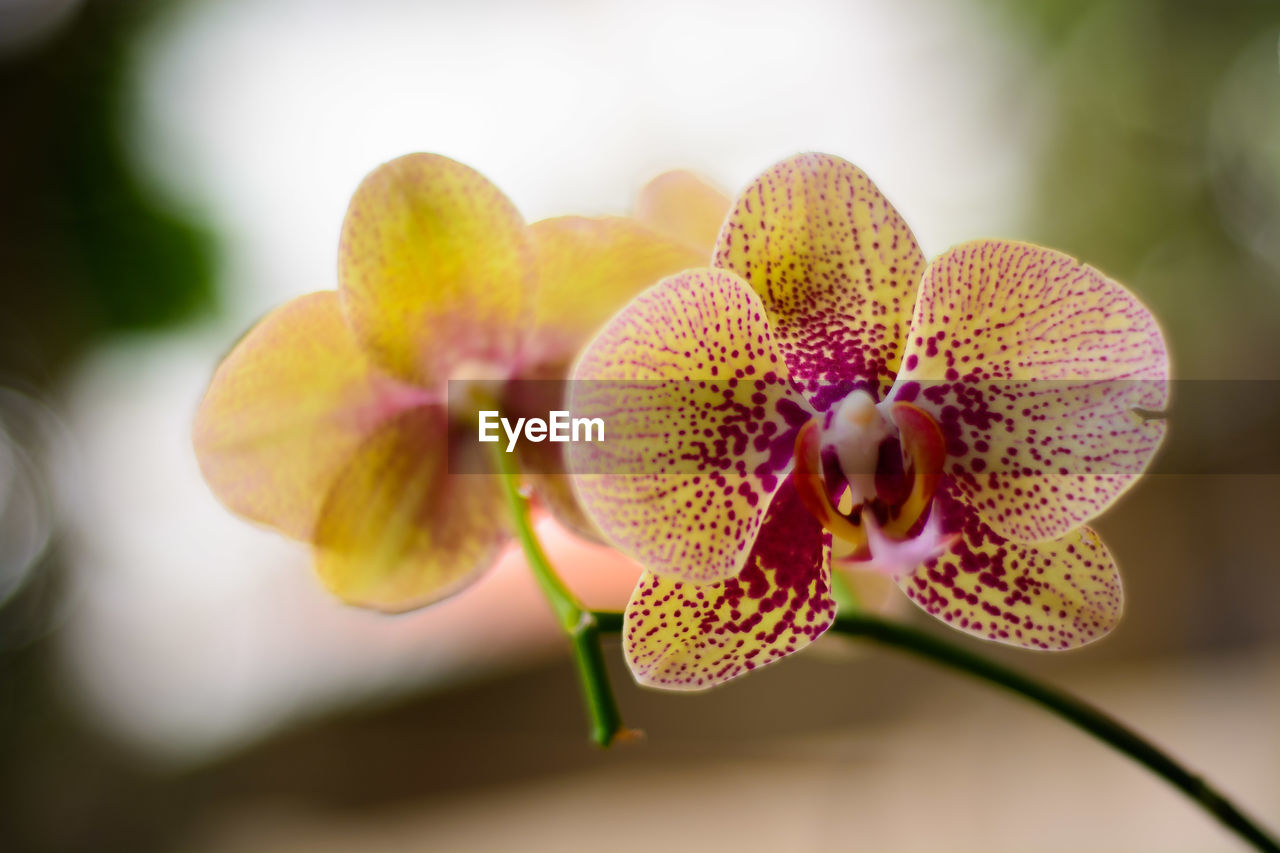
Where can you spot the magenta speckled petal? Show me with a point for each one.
(1057, 595)
(683, 636)
(701, 421)
(836, 267)
(1033, 364)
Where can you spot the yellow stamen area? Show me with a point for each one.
(812, 490)
(925, 451)
(923, 444)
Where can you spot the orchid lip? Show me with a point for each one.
(896, 558)
(811, 486)
(891, 536)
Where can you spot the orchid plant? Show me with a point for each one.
(951, 426)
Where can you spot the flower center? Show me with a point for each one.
(856, 448)
(854, 431)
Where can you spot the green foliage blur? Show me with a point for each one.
(86, 253)
(1160, 163)
(85, 250)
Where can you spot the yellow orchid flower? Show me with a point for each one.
(329, 419)
(971, 415)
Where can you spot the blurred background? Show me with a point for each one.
(174, 679)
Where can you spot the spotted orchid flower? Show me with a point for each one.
(328, 421)
(956, 424)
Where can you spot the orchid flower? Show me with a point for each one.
(328, 421)
(956, 424)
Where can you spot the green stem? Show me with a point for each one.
(597, 690)
(577, 622)
(1081, 714)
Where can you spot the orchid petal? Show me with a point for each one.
(1054, 595)
(685, 207)
(435, 269)
(587, 270)
(287, 409)
(683, 636)
(398, 531)
(701, 423)
(1038, 363)
(836, 267)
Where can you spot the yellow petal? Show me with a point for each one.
(1033, 365)
(398, 531)
(683, 636)
(1053, 595)
(435, 269)
(587, 270)
(685, 207)
(285, 411)
(836, 267)
(700, 426)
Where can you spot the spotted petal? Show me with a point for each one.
(685, 207)
(836, 267)
(435, 269)
(587, 270)
(1036, 368)
(700, 422)
(1055, 595)
(287, 409)
(398, 531)
(684, 636)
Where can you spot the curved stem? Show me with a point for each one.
(568, 611)
(1081, 714)
(577, 622)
